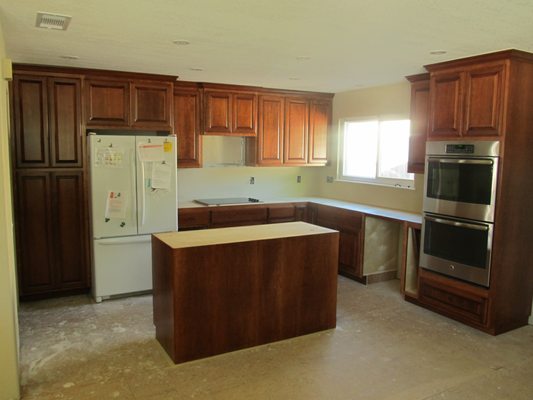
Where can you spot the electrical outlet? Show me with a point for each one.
(298, 179)
(252, 180)
(329, 179)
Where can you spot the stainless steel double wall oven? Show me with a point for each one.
(459, 204)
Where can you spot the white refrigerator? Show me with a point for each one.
(133, 186)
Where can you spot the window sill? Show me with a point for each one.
(392, 186)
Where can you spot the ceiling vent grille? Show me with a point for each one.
(52, 21)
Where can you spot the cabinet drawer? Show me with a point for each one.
(237, 216)
(454, 299)
(340, 219)
(190, 218)
(281, 213)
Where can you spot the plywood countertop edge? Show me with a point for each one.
(209, 237)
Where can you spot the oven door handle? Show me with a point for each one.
(458, 224)
(461, 161)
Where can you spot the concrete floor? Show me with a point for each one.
(382, 348)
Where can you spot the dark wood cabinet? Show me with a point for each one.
(468, 101)
(281, 213)
(319, 122)
(267, 148)
(295, 151)
(52, 234)
(187, 127)
(193, 218)
(151, 105)
(107, 103)
(47, 121)
(419, 122)
(350, 226)
(138, 104)
(230, 113)
(238, 216)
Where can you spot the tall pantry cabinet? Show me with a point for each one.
(50, 205)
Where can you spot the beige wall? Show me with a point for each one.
(270, 182)
(377, 101)
(9, 381)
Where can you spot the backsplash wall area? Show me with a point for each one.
(269, 182)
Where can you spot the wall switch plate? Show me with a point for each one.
(329, 179)
(252, 180)
(298, 179)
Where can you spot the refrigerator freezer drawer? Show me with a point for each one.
(121, 265)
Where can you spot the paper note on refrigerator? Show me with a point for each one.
(161, 175)
(151, 152)
(116, 203)
(109, 157)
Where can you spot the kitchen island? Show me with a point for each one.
(225, 289)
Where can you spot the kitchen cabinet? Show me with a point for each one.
(350, 226)
(193, 218)
(230, 112)
(122, 103)
(52, 234)
(419, 115)
(187, 126)
(47, 121)
(238, 216)
(293, 131)
(467, 101)
(489, 97)
(295, 151)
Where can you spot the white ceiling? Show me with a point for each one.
(350, 43)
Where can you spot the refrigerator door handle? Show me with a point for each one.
(143, 195)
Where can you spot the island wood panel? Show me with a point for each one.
(214, 299)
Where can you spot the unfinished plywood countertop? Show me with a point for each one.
(207, 237)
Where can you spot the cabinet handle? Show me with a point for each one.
(458, 224)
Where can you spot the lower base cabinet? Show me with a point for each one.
(52, 233)
(455, 299)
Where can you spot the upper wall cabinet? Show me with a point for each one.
(187, 126)
(293, 131)
(467, 101)
(47, 121)
(419, 122)
(112, 103)
(230, 113)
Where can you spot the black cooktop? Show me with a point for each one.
(227, 200)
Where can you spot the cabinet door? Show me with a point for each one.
(107, 103)
(484, 101)
(34, 225)
(70, 230)
(30, 111)
(271, 126)
(296, 131)
(319, 120)
(151, 105)
(218, 112)
(419, 126)
(244, 114)
(446, 105)
(66, 138)
(187, 127)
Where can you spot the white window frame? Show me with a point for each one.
(380, 181)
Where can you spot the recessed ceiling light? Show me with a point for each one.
(70, 57)
(437, 52)
(198, 69)
(181, 42)
(303, 58)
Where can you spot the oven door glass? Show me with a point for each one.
(461, 187)
(457, 247)
(460, 180)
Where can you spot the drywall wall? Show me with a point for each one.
(9, 380)
(269, 182)
(391, 100)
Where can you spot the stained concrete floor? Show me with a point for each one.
(382, 348)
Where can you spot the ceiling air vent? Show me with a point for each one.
(52, 21)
